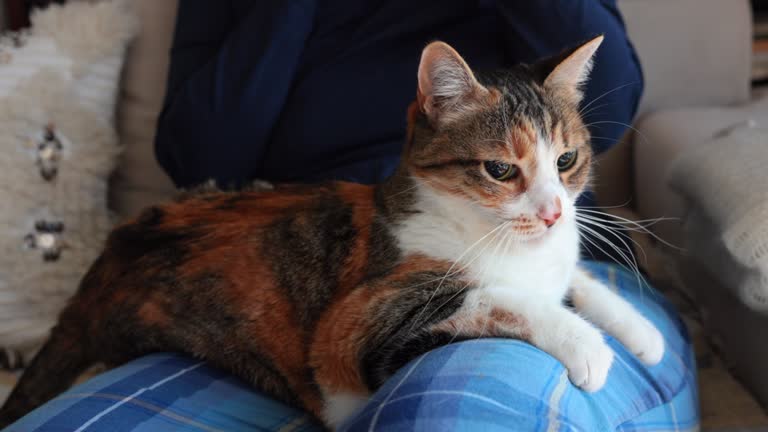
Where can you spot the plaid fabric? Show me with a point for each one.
(486, 385)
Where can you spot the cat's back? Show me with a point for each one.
(267, 259)
(301, 241)
(213, 213)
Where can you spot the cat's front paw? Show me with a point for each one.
(645, 341)
(588, 360)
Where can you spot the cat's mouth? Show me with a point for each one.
(529, 230)
(525, 228)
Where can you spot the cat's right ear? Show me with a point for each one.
(447, 86)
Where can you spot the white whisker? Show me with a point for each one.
(618, 220)
(631, 262)
(410, 188)
(638, 226)
(584, 111)
(626, 203)
(628, 257)
(616, 232)
(606, 94)
(448, 273)
(469, 282)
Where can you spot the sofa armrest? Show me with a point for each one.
(138, 180)
(668, 134)
(693, 52)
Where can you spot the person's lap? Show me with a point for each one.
(488, 384)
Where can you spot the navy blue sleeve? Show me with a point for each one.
(232, 65)
(540, 28)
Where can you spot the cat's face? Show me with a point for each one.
(511, 146)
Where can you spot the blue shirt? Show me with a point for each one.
(308, 90)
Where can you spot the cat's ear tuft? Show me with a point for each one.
(446, 84)
(569, 71)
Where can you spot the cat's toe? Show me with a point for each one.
(642, 339)
(592, 374)
(589, 363)
(651, 350)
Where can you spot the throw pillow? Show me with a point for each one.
(58, 146)
(726, 188)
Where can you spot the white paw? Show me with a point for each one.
(588, 359)
(643, 340)
(340, 406)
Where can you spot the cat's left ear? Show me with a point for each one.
(566, 74)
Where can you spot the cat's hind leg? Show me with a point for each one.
(342, 405)
(55, 367)
(612, 313)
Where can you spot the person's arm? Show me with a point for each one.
(232, 65)
(540, 28)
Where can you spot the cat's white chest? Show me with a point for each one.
(543, 270)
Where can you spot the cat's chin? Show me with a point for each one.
(533, 237)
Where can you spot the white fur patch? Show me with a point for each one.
(340, 406)
(449, 229)
(611, 312)
(526, 278)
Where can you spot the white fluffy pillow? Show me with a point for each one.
(58, 84)
(725, 184)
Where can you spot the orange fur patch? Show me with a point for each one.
(152, 314)
(523, 139)
(343, 328)
(496, 323)
(273, 326)
(360, 198)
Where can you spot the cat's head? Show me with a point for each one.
(509, 145)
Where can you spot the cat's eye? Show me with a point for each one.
(502, 171)
(566, 160)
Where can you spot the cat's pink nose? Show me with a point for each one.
(550, 213)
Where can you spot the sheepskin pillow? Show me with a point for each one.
(725, 187)
(58, 146)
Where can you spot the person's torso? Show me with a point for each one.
(345, 115)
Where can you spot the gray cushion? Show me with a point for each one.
(694, 52)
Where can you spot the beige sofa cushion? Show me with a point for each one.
(723, 181)
(685, 63)
(694, 52)
(139, 180)
(666, 135)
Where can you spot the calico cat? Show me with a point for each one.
(317, 294)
